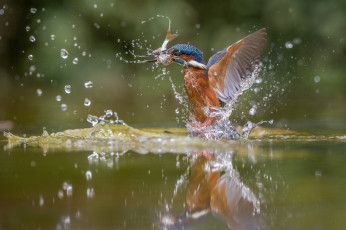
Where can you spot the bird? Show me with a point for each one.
(220, 191)
(212, 85)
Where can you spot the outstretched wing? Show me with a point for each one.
(229, 67)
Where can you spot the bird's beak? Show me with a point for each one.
(162, 57)
(154, 54)
(146, 61)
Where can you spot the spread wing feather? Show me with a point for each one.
(229, 67)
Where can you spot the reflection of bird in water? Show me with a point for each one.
(223, 193)
(218, 82)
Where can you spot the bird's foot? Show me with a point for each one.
(201, 129)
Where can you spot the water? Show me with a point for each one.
(280, 181)
(67, 89)
(32, 38)
(33, 10)
(88, 84)
(118, 177)
(87, 102)
(58, 98)
(64, 53)
(75, 61)
(63, 107)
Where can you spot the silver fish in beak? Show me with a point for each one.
(161, 55)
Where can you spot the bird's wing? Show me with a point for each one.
(230, 67)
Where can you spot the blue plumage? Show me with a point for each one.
(189, 50)
(216, 57)
(197, 54)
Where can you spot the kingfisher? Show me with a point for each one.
(217, 83)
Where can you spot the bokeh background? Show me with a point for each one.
(302, 81)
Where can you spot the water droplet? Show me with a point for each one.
(87, 102)
(68, 187)
(52, 36)
(27, 28)
(75, 61)
(63, 107)
(318, 173)
(177, 111)
(90, 193)
(45, 132)
(108, 113)
(78, 214)
(39, 92)
(94, 157)
(95, 6)
(60, 194)
(69, 190)
(93, 120)
(58, 98)
(252, 111)
(32, 38)
(88, 84)
(41, 202)
(38, 21)
(83, 53)
(30, 57)
(66, 221)
(97, 26)
(116, 117)
(32, 69)
(33, 10)
(297, 41)
(63, 53)
(288, 45)
(67, 89)
(258, 80)
(88, 175)
(317, 79)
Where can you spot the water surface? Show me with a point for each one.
(286, 181)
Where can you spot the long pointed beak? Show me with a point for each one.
(155, 53)
(147, 61)
(160, 56)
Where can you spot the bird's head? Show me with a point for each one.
(184, 54)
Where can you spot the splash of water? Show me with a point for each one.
(222, 127)
(105, 119)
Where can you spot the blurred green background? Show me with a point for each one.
(303, 73)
